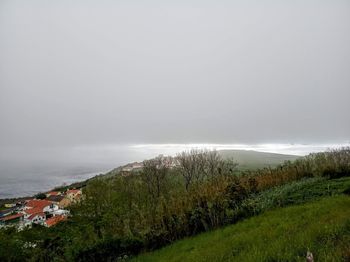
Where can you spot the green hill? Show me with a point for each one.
(267, 215)
(248, 159)
(283, 234)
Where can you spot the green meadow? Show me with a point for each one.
(283, 234)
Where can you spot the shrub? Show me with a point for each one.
(347, 191)
(40, 196)
(110, 250)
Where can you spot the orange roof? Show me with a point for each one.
(53, 193)
(73, 191)
(54, 220)
(37, 203)
(36, 214)
(33, 211)
(7, 218)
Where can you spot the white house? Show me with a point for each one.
(38, 218)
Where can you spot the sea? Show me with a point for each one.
(25, 171)
(27, 180)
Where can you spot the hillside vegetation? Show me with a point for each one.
(245, 160)
(285, 234)
(127, 215)
(248, 159)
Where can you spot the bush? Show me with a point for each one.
(110, 250)
(347, 191)
(40, 196)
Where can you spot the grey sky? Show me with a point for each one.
(99, 72)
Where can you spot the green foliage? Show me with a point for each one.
(109, 250)
(285, 234)
(122, 215)
(11, 246)
(40, 196)
(347, 191)
(294, 193)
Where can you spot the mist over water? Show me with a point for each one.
(86, 86)
(24, 172)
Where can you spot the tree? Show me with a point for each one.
(189, 162)
(197, 165)
(154, 175)
(40, 196)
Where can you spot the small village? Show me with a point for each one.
(168, 161)
(47, 211)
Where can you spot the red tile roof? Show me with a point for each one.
(37, 203)
(11, 217)
(54, 220)
(33, 211)
(73, 191)
(53, 193)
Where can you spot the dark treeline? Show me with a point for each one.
(124, 215)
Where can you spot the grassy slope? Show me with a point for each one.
(297, 192)
(283, 234)
(252, 160)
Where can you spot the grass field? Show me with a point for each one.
(248, 159)
(297, 192)
(283, 234)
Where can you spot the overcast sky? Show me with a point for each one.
(128, 72)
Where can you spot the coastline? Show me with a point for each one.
(73, 180)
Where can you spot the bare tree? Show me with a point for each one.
(197, 165)
(154, 175)
(187, 166)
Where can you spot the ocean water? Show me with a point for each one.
(27, 180)
(27, 171)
